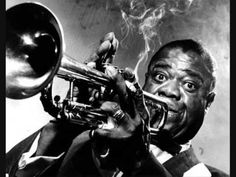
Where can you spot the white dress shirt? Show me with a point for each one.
(199, 170)
(162, 156)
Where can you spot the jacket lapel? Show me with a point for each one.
(181, 163)
(14, 155)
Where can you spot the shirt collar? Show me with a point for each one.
(163, 156)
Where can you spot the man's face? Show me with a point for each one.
(182, 81)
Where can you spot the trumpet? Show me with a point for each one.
(35, 55)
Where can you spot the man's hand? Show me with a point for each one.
(105, 52)
(47, 102)
(127, 137)
(103, 56)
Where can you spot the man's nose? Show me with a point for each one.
(170, 89)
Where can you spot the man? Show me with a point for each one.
(181, 74)
(119, 148)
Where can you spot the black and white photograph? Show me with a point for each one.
(117, 88)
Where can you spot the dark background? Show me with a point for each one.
(84, 22)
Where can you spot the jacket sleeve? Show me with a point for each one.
(14, 155)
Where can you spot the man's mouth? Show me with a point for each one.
(173, 109)
(174, 114)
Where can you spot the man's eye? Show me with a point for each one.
(160, 77)
(190, 86)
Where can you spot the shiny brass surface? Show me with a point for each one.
(35, 55)
(34, 48)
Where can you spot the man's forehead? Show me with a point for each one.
(175, 52)
(178, 55)
(182, 55)
(183, 60)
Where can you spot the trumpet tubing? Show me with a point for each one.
(35, 54)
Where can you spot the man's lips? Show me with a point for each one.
(174, 116)
(174, 109)
(174, 113)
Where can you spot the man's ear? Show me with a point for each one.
(210, 99)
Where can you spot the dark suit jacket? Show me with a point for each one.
(182, 162)
(78, 161)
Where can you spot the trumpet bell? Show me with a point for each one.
(35, 54)
(34, 48)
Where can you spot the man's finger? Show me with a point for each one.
(115, 112)
(110, 107)
(136, 92)
(111, 130)
(108, 133)
(119, 86)
(101, 50)
(112, 51)
(129, 75)
(139, 102)
(109, 36)
(91, 64)
(115, 44)
(108, 44)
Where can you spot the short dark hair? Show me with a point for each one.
(189, 45)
